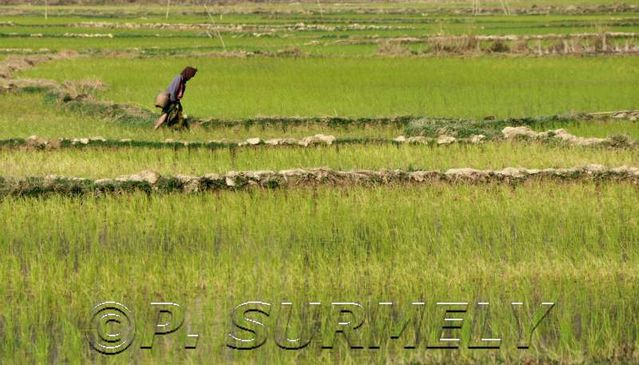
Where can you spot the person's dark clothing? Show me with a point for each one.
(176, 89)
(175, 119)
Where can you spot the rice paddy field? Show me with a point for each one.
(447, 87)
(428, 152)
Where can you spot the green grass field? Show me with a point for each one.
(49, 120)
(449, 87)
(310, 28)
(569, 242)
(104, 163)
(29, 114)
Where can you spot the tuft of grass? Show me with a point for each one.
(490, 127)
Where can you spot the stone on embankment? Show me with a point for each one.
(580, 141)
(418, 140)
(512, 172)
(35, 141)
(559, 134)
(281, 141)
(273, 141)
(328, 139)
(253, 141)
(421, 176)
(477, 138)
(148, 176)
(294, 173)
(443, 140)
(466, 174)
(626, 171)
(189, 183)
(594, 168)
(518, 132)
(75, 141)
(317, 139)
(102, 182)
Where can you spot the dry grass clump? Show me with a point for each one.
(13, 64)
(83, 88)
(20, 63)
(454, 45)
(392, 48)
(538, 45)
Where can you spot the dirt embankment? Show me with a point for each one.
(606, 43)
(519, 133)
(152, 182)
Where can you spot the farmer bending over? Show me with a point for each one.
(172, 111)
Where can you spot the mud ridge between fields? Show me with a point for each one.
(601, 43)
(152, 182)
(611, 43)
(556, 137)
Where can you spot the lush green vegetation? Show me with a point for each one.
(96, 162)
(573, 244)
(570, 244)
(28, 114)
(314, 29)
(451, 87)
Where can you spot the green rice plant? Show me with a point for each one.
(111, 162)
(471, 88)
(594, 128)
(27, 114)
(570, 244)
(264, 31)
